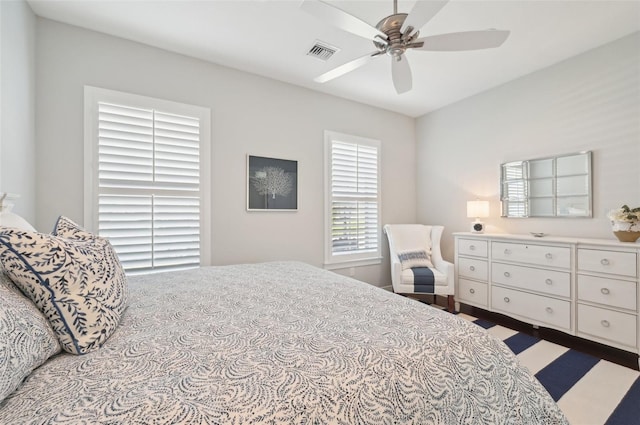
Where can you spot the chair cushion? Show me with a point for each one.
(415, 258)
(76, 281)
(407, 277)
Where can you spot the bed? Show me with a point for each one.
(281, 343)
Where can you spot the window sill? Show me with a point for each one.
(335, 265)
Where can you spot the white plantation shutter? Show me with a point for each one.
(125, 146)
(148, 184)
(353, 198)
(151, 232)
(514, 190)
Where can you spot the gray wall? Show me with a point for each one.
(17, 105)
(588, 102)
(250, 115)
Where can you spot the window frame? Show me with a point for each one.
(356, 259)
(94, 95)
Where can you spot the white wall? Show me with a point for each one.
(17, 105)
(588, 102)
(250, 115)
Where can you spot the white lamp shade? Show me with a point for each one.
(477, 209)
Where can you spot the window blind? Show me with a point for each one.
(149, 187)
(354, 198)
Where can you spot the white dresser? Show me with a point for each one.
(584, 287)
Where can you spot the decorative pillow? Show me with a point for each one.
(26, 338)
(414, 258)
(77, 282)
(67, 228)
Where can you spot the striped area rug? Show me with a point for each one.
(589, 390)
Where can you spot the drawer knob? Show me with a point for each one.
(472, 268)
(549, 310)
(605, 323)
(605, 291)
(548, 256)
(507, 274)
(473, 291)
(472, 247)
(548, 281)
(507, 252)
(506, 299)
(604, 262)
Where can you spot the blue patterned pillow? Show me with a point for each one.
(26, 338)
(414, 258)
(67, 228)
(75, 279)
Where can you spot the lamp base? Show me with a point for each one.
(477, 227)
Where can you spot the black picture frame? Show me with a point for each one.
(272, 184)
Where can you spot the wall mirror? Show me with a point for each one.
(558, 186)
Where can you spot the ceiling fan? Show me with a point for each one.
(397, 33)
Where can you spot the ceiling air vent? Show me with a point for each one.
(322, 51)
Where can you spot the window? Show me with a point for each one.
(146, 179)
(352, 235)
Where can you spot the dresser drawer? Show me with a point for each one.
(539, 280)
(539, 309)
(473, 292)
(603, 261)
(607, 324)
(472, 247)
(611, 292)
(540, 255)
(475, 269)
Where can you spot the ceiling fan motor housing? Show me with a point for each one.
(397, 42)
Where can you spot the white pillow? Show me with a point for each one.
(9, 219)
(414, 258)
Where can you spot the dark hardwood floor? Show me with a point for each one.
(614, 355)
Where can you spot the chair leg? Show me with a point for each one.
(451, 304)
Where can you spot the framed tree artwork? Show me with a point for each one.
(272, 184)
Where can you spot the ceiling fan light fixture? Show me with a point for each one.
(395, 52)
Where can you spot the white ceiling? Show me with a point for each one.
(271, 38)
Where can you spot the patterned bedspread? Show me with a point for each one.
(282, 343)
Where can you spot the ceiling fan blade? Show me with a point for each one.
(422, 13)
(401, 73)
(345, 68)
(341, 19)
(468, 40)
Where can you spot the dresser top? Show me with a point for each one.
(551, 239)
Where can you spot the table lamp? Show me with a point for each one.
(477, 209)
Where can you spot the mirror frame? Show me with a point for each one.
(520, 180)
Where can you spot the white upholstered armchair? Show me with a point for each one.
(413, 272)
